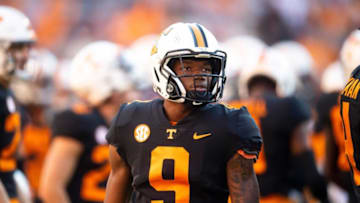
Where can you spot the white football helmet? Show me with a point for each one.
(187, 40)
(242, 51)
(350, 52)
(300, 58)
(95, 72)
(273, 65)
(34, 84)
(15, 28)
(333, 78)
(139, 69)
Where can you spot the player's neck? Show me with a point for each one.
(176, 111)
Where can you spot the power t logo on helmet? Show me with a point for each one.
(179, 42)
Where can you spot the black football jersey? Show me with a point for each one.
(9, 139)
(276, 118)
(185, 162)
(350, 113)
(90, 176)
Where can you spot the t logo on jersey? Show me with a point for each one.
(142, 133)
(171, 133)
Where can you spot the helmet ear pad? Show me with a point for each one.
(173, 89)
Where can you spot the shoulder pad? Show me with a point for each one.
(126, 112)
(351, 90)
(356, 73)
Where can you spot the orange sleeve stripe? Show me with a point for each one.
(245, 155)
(349, 147)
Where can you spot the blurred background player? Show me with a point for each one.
(16, 38)
(34, 91)
(350, 116)
(76, 167)
(349, 105)
(286, 162)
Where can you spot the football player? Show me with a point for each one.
(76, 167)
(349, 105)
(286, 162)
(350, 116)
(16, 38)
(33, 90)
(184, 147)
(328, 121)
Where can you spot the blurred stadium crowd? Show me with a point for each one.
(306, 37)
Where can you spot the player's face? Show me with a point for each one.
(19, 53)
(194, 71)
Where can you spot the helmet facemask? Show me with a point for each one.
(206, 87)
(13, 58)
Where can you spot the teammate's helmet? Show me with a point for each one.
(34, 84)
(139, 69)
(350, 52)
(15, 27)
(300, 57)
(274, 66)
(333, 78)
(95, 73)
(242, 51)
(187, 40)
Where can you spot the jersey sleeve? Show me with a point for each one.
(116, 136)
(71, 125)
(112, 133)
(244, 135)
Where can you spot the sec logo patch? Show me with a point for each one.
(142, 133)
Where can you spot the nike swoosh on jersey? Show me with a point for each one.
(197, 137)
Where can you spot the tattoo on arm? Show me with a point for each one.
(242, 182)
